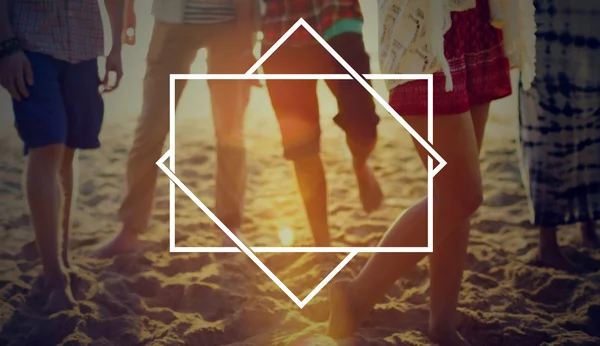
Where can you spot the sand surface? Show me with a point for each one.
(157, 298)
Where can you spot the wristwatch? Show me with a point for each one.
(10, 46)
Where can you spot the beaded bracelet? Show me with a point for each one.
(9, 46)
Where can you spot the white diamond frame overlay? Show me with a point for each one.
(351, 251)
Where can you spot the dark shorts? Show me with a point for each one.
(64, 105)
(296, 104)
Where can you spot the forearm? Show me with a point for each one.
(130, 5)
(115, 10)
(6, 31)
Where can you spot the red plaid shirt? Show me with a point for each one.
(280, 15)
(69, 30)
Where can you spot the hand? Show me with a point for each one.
(16, 75)
(249, 60)
(129, 24)
(114, 65)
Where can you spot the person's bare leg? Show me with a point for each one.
(229, 101)
(589, 237)
(45, 200)
(67, 177)
(549, 252)
(231, 171)
(458, 194)
(446, 263)
(312, 183)
(297, 109)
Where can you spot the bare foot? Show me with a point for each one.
(60, 297)
(550, 254)
(125, 242)
(371, 195)
(448, 338)
(589, 236)
(343, 319)
(554, 258)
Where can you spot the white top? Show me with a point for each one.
(412, 35)
(193, 11)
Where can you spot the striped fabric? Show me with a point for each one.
(208, 11)
(560, 115)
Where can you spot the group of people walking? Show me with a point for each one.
(48, 63)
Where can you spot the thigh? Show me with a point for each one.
(295, 103)
(456, 142)
(293, 98)
(411, 99)
(296, 107)
(173, 49)
(83, 104)
(229, 100)
(228, 52)
(41, 118)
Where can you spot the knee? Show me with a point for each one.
(302, 153)
(66, 165)
(463, 202)
(470, 200)
(474, 201)
(149, 138)
(46, 159)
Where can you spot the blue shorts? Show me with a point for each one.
(64, 104)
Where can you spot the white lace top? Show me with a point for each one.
(412, 35)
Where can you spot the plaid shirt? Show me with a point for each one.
(69, 30)
(280, 15)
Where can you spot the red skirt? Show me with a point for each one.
(480, 70)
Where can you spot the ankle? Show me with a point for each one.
(548, 239)
(440, 330)
(128, 234)
(588, 230)
(323, 242)
(66, 261)
(65, 257)
(361, 303)
(359, 164)
(56, 281)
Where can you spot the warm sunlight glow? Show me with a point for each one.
(286, 236)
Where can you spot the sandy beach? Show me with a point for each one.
(154, 297)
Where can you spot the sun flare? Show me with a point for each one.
(286, 236)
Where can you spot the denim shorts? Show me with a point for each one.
(64, 104)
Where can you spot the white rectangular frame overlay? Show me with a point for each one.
(174, 181)
(351, 251)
